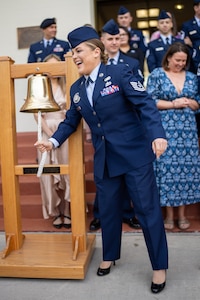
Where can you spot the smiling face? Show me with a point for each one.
(177, 62)
(86, 58)
(111, 43)
(50, 32)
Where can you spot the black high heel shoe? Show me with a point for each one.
(156, 287)
(103, 272)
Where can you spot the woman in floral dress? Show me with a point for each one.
(175, 91)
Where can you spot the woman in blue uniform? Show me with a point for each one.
(127, 135)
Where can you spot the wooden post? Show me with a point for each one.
(10, 184)
(76, 171)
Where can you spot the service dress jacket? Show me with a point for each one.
(192, 30)
(123, 120)
(133, 64)
(38, 51)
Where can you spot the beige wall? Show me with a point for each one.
(25, 13)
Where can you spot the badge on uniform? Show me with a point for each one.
(135, 38)
(107, 81)
(192, 32)
(110, 90)
(58, 48)
(135, 46)
(159, 49)
(137, 86)
(76, 98)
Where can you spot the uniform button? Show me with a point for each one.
(103, 138)
(99, 125)
(94, 113)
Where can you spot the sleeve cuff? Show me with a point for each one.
(54, 142)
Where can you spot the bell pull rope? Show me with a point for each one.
(44, 154)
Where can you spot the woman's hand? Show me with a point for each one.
(193, 104)
(185, 102)
(181, 102)
(159, 146)
(43, 146)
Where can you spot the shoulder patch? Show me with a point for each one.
(76, 98)
(137, 86)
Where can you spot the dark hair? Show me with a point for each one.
(127, 32)
(174, 28)
(95, 43)
(174, 48)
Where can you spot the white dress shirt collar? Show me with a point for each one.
(93, 74)
(163, 37)
(115, 58)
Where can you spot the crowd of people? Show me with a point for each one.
(151, 158)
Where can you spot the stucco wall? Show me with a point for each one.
(25, 13)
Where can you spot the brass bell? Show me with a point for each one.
(39, 95)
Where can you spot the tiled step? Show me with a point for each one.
(30, 206)
(26, 152)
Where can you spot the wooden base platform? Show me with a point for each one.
(47, 256)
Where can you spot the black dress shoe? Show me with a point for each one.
(95, 224)
(67, 222)
(132, 222)
(157, 288)
(103, 272)
(58, 225)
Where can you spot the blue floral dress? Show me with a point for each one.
(178, 169)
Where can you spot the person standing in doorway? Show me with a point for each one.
(158, 47)
(137, 39)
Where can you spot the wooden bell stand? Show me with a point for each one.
(41, 255)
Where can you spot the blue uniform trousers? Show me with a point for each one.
(141, 185)
(128, 211)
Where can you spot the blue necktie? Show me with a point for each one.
(48, 44)
(167, 41)
(88, 81)
(89, 89)
(111, 60)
